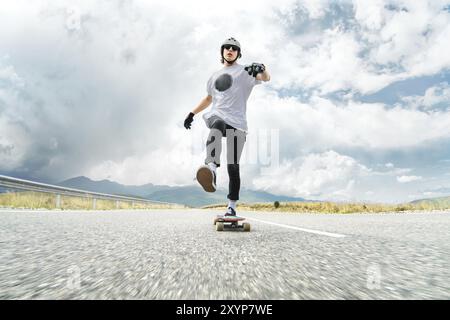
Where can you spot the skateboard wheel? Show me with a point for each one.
(215, 221)
(246, 226)
(219, 226)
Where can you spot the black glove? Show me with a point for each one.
(188, 120)
(255, 68)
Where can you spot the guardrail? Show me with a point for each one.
(58, 191)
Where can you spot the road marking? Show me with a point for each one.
(323, 233)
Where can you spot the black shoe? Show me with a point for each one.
(207, 178)
(230, 212)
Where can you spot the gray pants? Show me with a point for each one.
(235, 144)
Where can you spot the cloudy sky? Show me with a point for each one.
(358, 107)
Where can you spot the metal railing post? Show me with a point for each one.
(58, 201)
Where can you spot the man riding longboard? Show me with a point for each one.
(228, 90)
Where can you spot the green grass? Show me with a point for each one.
(37, 200)
(333, 207)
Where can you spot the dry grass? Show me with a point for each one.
(38, 200)
(333, 207)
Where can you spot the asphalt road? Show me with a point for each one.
(177, 254)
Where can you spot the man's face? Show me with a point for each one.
(230, 52)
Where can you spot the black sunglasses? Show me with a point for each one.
(231, 47)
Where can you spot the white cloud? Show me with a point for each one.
(316, 8)
(407, 33)
(109, 80)
(14, 140)
(387, 41)
(9, 76)
(334, 63)
(324, 175)
(406, 179)
(13, 145)
(435, 97)
(322, 123)
(369, 14)
(174, 164)
(101, 88)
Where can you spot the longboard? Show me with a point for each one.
(229, 222)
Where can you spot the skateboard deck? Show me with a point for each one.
(230, 222)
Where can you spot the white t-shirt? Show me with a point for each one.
(230, 88)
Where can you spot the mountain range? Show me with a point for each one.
(192, 196)
(436, 202)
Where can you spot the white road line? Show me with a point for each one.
(323, 233)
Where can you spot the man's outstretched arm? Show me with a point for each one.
(203, 104)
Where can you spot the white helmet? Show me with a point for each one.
(233, 42)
